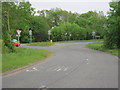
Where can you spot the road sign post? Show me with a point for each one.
(93, 34)
(30, 33)
(18, 34)
(49, 33)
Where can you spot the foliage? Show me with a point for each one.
(40, 28)
(67, 25)
(92, 21)
(67, 31)
(20, 16)
(56, 16)
(112, 34)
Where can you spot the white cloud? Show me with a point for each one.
(69, 0)
(79, 7)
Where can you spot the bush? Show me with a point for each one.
(112, 34)
(7, 49)
(67, 31)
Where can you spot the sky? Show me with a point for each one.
(79, 6)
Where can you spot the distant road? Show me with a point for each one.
(73, 66)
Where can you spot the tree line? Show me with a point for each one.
(64, 25)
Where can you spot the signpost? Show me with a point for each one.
(18, 34)
(93, 34)
(49, 33)
(30, 33)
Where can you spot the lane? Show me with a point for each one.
(73, 66)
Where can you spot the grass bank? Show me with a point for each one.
(99, 46)
(22, 57)
(80, 41)
(40, 44)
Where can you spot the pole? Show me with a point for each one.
(49, 37)
(30, 38)
(18, 39)
(30, 33)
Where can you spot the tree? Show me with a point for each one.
(40, 28)
(92, 21)
(56, 16)
(67, 31)
(112, 34)
(6, 29)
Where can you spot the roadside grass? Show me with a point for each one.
(99, 46)
(40, 44)
(95, 40)
(22, 57)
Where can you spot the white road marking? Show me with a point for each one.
(51, 68)
(34, 68)
(56, 68)
(65, 69)
(27, 70)
(59, 69)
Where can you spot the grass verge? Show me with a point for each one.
(81, 41)
(22, 57)
(40, 44)
(99, 46)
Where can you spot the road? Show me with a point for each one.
(73, 66)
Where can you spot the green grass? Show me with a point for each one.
(22, 57)
(40, 44)
(99, 46)
(81, 41)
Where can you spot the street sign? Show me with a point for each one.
(18, 32)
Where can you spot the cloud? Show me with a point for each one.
(79, 7)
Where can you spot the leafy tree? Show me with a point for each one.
(67, 31)
(112, 34)
(40, 28)
(56, 16)
(92, 21)
(6, 29)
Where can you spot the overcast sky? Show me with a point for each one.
(79, 6)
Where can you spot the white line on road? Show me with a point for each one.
(59, 69)
(65, 69)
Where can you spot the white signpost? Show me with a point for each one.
(93, 34)
(49, 33)
(18, 34)
(30, 33)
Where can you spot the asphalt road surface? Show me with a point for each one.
(73, 66)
